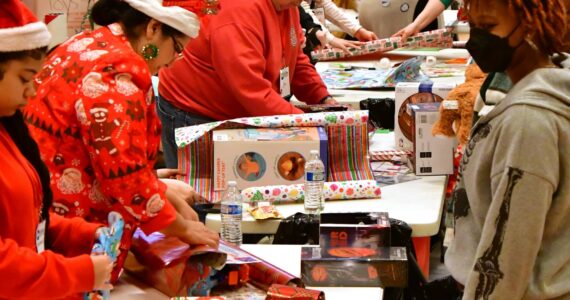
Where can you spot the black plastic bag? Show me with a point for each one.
(298, 229)
(380, 111)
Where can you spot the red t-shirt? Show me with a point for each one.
(232, 69)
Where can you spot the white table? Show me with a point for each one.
(418, 203)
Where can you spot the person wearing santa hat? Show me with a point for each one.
(43, 255)
(95, 119)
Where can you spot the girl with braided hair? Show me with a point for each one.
(512, 200)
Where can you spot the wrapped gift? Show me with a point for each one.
(172, 266)
(342, 190)
(347, 134)
(437, 38)
(282, 292)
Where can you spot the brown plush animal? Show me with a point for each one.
(459, 121)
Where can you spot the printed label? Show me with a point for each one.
(315, 176)
(231, 209)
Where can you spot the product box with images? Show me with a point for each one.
(408, 93)
(433, 155)
(265, 156)
(354, 267)
(366, 230)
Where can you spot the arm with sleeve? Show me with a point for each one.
(339, 18)
(522, 189)
(25, 274)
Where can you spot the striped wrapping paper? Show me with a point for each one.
(435, 38)
(388, 155)
(348, 146)
(343, 190)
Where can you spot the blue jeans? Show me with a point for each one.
(172, 118)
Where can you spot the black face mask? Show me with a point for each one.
(491, 52)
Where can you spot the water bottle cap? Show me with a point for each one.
(314, 151)
(232, 183)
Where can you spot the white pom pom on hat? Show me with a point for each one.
(20, 29)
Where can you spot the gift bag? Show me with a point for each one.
(347, 148)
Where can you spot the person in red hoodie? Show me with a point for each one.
(246, 62)
(42, 255)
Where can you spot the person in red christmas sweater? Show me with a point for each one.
(247, 62)
(42, 255)
(95, 120)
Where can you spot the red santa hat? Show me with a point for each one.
(19, 29)
(180, 15)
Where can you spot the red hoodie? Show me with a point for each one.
(232, 69)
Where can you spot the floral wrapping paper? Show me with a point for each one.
(358, 189)
(435, 38)
(347, 132)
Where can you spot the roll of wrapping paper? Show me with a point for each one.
(342, 190)
(263, 274)
(435, 38)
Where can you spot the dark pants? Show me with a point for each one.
(172, 118)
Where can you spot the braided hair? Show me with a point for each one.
(545, 21)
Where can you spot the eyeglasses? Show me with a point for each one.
(178, 47)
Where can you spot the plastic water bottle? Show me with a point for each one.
(314, 183)
(231, 214)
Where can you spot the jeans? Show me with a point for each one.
(172, 118)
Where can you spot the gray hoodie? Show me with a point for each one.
(512, 201)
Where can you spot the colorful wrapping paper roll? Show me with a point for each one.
(436, 38)
(358, 189)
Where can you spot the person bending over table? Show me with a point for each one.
(246, 63)
(95, 120)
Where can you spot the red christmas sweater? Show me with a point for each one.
(95, 121)
(232, 69)
(25, 274)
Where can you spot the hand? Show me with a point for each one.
(407, 31)
(181, 196)
(196, 233)
(168, 173)
(102, 268)
(364, 35)
(344, 45)
(330, 100)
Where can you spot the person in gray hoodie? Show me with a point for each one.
(512, 201)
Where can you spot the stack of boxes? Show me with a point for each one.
(417, 109)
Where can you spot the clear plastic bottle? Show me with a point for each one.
(314, 183)
(231, 212)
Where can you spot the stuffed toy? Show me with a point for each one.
(457, 120)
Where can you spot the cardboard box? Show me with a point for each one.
(367, 230)
(354, 267)
(412, 93)
(265, 156)
(433, 155)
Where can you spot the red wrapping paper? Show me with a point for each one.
(279, 292)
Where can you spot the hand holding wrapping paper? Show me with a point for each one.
(342, 190)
